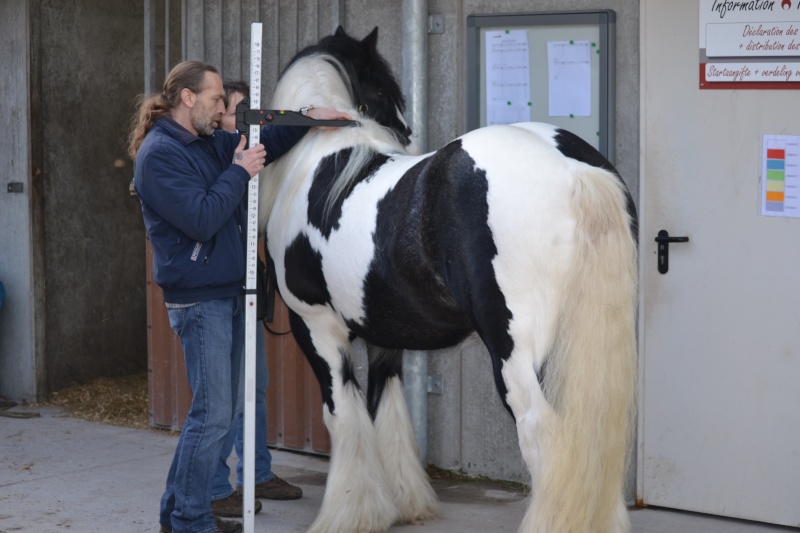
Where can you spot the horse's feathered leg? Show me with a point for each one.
(411, 490)
(357, 494)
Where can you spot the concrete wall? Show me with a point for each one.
(72, 241)
(89, 70)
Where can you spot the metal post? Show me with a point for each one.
(415, 387)
(415, 68)
(415, 87)
(337, 12)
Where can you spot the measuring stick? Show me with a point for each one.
(251, 321)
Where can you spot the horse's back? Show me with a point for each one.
(528, 175)
(541, 163)
(538, 142)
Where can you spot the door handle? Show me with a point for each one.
(663, 239)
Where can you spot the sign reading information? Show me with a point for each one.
(750, 44)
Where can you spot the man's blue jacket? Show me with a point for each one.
(192, 203)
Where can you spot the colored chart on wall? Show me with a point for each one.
(780, 176)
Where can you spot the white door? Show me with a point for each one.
(719, 422)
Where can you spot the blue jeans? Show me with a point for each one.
(222, 487)
(212, 336)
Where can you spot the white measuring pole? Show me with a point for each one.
(251, 320)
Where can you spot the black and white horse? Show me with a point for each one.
(523, 234)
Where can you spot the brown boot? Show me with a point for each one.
(232, 506)
(277, 489)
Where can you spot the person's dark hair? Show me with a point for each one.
(184, 75)
(237, 86)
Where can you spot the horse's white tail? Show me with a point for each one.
(590, 376)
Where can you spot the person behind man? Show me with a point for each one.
(191, 179)
(267, 484)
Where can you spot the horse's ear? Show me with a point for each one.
(371, 40)
(340, 32)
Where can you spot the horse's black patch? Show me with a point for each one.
(383, 365)
(321, 369)
(576, 148)
(319, 366)
(348, 372)
(431, 281)
(467, 249)
(326, 173)
(304, 278)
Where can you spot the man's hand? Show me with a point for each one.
(252, 160)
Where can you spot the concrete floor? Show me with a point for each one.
(62, 474)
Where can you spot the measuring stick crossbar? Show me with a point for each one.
(246, 117)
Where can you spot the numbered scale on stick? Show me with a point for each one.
(251, 321)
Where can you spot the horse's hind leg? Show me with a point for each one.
(357, 494)
(411, 490)
(535, 419)
(518, 333)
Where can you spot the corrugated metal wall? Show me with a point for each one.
(218, 32)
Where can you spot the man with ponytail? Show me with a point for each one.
(191, 179)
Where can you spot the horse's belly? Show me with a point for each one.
(408, 320)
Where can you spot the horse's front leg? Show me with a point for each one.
(357, 497)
